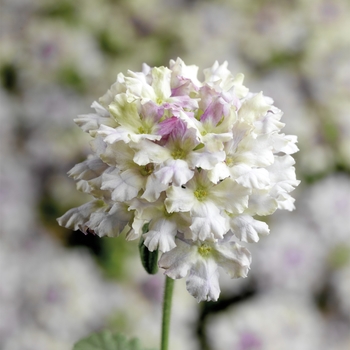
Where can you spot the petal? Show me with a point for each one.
(219, 172)
(282, 169)
(153, 188)
(174, 171)
(270, 122)
(149, 152)
(110, 223)
(88, 170)
(179, 69)
(207, 222)
(161, 82)
(261, 203)
(112, 135)
(124, 185)
(247, 229)
(254, 108)
(204, 159)
(231, 196)
(116, 88)
(91, 122)
(161, 235)
(255, 151)
(178, 261)
(179, 199)
(137, 85)
(125, 112)
(233, 258)
(76, 218)
(203, 280)
(250, 177)
(285, 143)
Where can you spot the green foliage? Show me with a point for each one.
(149, 259)
(69, 76)
(64, 10)
(339, 256)
(106, 340)
(8, 76)
(111, 45)
(115, 252)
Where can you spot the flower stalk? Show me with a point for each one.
(167, 299)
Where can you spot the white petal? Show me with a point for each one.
(285, 143)
(110, 223)
(89, 169)
(261, 203)
(231, 196)
(112, 135)
(269, 123)
(149, 152)
(161, 235)
(207, 222)
(255, 152)
(247, 229)
(124, 185)
(250, 177)
(91, 122)
(205, 159)
(76, 218)
(203, 280)
(233, 258)
(161, 82)
(179, 199)
(178, 261)
(219, 172)
(174, 171)
(254, 108)
(179, 69)
(137, 85)
(282, 169)
(153, 188)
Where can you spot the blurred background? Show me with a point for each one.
(56, 286)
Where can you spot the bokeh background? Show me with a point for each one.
(56, 286)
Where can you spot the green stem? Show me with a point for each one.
(168, 293)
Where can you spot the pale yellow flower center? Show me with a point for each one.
(178, 153)
(229, 161)
(204, 250)
(166, 213)
(200, 193)
(147, 169)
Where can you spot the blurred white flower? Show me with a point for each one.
(327, 202)
(53, 293)
(269, 322)
(34, 338)
(194, 161)
(341, 284)
(292, 259)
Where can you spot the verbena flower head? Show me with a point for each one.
(194, 161)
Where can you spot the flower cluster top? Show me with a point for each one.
(194, 161)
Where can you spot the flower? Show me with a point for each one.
(192, 161)
(277, 320)
(200, 260)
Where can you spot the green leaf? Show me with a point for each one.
(106, 340)
(149, 259)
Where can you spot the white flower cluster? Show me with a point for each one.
(194, 161)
